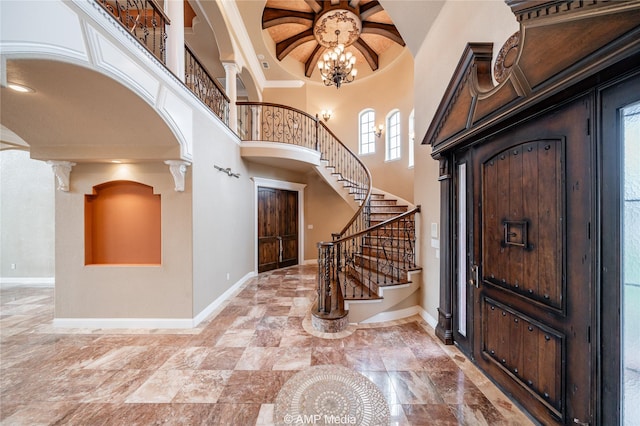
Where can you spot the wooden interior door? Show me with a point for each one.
(531, 260)
(277, 228)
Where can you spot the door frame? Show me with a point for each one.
(611, 98)
(461, 265)
(278, 184)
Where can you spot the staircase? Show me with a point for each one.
(369, 266)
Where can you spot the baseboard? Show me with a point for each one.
(220, 300)
(403, 313)
(42, 282)
(151, 323)
(428, 318)
(124, 323)
(310, 262)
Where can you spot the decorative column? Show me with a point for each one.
(256, 119)
(178, 169)
(444, 329)
(231, 72)
(62, 171)
(175, 37)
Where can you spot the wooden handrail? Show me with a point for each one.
(378, 226)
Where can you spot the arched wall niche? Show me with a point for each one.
(123, 224)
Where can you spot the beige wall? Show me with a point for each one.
(26, 218)
(458, 23)
(113, 291)
(223, 224)
(389, 89)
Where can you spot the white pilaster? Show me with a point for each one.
(62, 171)
(178, 169)
(231, 72)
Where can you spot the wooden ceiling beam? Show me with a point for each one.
(314, 5)
(354, 3)
(369, 54)
(386, 30)
(284, 47)
(371, 8)
(272, 17)
(313, 59)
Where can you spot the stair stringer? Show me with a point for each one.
(365, 310)
(326, 172)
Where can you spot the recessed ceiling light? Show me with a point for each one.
(20, 88)
(116, 161)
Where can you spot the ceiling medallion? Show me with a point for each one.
(337, 21)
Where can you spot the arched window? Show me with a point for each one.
(367, 119)
(412, 136)
(393, 136)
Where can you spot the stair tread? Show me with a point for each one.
(358, 291)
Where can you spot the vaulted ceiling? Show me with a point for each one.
(306, 29)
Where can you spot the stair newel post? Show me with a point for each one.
(338, 268)
(324, 276)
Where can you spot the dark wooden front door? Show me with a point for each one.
(530, 268)
(277, 228)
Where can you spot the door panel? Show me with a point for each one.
(522, 227)
(277, 228)
(289, 227)
(534, 296)
(268, 245)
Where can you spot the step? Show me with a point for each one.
(378, 240)
(392, 229)
(405, 258)
(385, 202)
(389, 209)
(358, 291)
(382, 216)
(382, 272)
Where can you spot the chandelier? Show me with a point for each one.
(337, 66)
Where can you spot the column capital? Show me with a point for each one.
(62, 171)
(231, 66)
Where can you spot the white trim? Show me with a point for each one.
(163, 323)
(310, 262)
(43, 282)
(223, 298)
(280, 184)
(283, 84)
(280, 150)
(124, 323)
(393, 315)
(402, 313)
(428, 318)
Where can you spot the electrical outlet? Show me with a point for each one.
(13, 266)
(228, 276)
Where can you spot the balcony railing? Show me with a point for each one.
(205, 87)
(145, 20)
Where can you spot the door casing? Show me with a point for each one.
(289, 186)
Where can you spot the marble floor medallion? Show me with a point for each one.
(330, 394)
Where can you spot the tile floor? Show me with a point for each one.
(229, 370)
